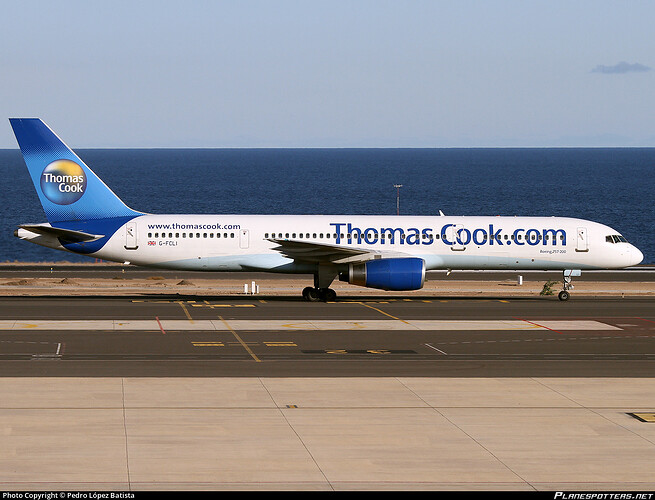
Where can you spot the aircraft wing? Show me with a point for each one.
(64, 234)
(321, 253)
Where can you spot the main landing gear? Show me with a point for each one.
(568, 273)
(321, 291)
(312, 294)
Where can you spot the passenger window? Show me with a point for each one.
(231, 235)
(177, 235)
(190, 235)
(149, 235)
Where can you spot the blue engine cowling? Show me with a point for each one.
(388, 274)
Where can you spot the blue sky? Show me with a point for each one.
(331, 74)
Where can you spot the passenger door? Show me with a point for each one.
(130, 236)
(582, 244)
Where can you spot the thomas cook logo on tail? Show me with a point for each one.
(63, 182)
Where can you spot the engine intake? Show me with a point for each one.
(388, 274)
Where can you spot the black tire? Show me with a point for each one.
(312, 294)
(327, 294)
(305, 292)
(564, 295)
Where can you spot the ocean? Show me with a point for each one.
(613, 186)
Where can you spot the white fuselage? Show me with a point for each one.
(242, 242)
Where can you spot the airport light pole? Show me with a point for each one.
(397, 186)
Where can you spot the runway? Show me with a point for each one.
(285, 336)
(136, 384)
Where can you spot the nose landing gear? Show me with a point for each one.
(567, 274)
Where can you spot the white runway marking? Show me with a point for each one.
(439, 350)
(295, 325)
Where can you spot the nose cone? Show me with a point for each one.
(634, 256)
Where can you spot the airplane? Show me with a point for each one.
(376, 251)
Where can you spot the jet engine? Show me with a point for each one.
(387, 274)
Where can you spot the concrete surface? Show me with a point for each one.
(326, 434)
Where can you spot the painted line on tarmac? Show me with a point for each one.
(541, 326)
(243, 344)
(439, 350)
(186, 312)
(160, 327)
(381, 311)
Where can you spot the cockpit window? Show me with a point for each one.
(615, 238)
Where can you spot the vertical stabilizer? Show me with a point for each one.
(67, 188)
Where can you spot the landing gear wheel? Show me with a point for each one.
(327, 294)
(311, 294)
(564, 295)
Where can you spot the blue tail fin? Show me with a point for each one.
(67, 188)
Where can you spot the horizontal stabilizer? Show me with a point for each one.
(64, 234)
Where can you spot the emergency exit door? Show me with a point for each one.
(244, 238)
(455, 234)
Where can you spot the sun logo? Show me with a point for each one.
(63, 182)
